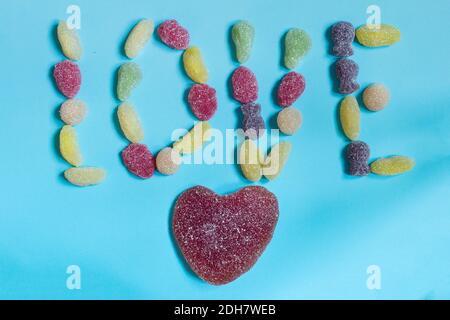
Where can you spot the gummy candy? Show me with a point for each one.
(357, 155)
(138, 38)
(139, 160)
(130, 123)
(251, 160)
(342, 35)
(297, 44)
(243, 35)
(202, 100)
(289, 120)
(290, 89)
(85, 176)
(349, 114)
(168, 161)
(173, 34)
(194, 66)
(384, 35)
(222, 237)
(68, 146)
(69, 41)
(245, 85)
(128, 78)
(67, 76)
(73, 111)
(252, 122)
(276, 160)
(194, 139)
(392, 166)
(346, 72)
(376, 97)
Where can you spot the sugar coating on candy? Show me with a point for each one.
(194, 65)
(173, 34)
(342, 35)
(289, 120)
(168, 161)
(357, 155)
(194, 139)
(67, 76)
(69, 147)
(139, 160)
(251, 160)
(252, 121)
(138, 38)
(85, 176)
(392, 166)
(130, 123)
(222, 237)
(203, 101)
(378, 36)
(245, 85)
(276, 160)
(290, 89)
(243, 35)
(128, 78)
(349, 115)
(346, 72)
(69, 41)
(376, 97)
(297, 44)
(73, 111)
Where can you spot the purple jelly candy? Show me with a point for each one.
(357, 155)
(346, 72)
(342, 35)
(252, 122)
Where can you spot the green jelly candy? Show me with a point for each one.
(128, 78)
(243, 35)
(297, 45)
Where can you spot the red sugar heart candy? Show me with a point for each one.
(68, 78)
(203, 101)
(290, 89)
(245, 85)
(222, 237)
(139, 160)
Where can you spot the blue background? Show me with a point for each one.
(331, 227)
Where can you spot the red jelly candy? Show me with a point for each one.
(290, 89)
(68, 78)
(222, 237)
(139, 160)
(245, 85)
(173, 35)
(203, 101)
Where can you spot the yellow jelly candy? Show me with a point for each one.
(384, 35)
(350, 117)
(130, 123)
(251, 160)
(276, 160)
(392, 166)
(194, 66)
(86, 176)
(138, 38)
(69, 41)
(194, 139)
(68, 146)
